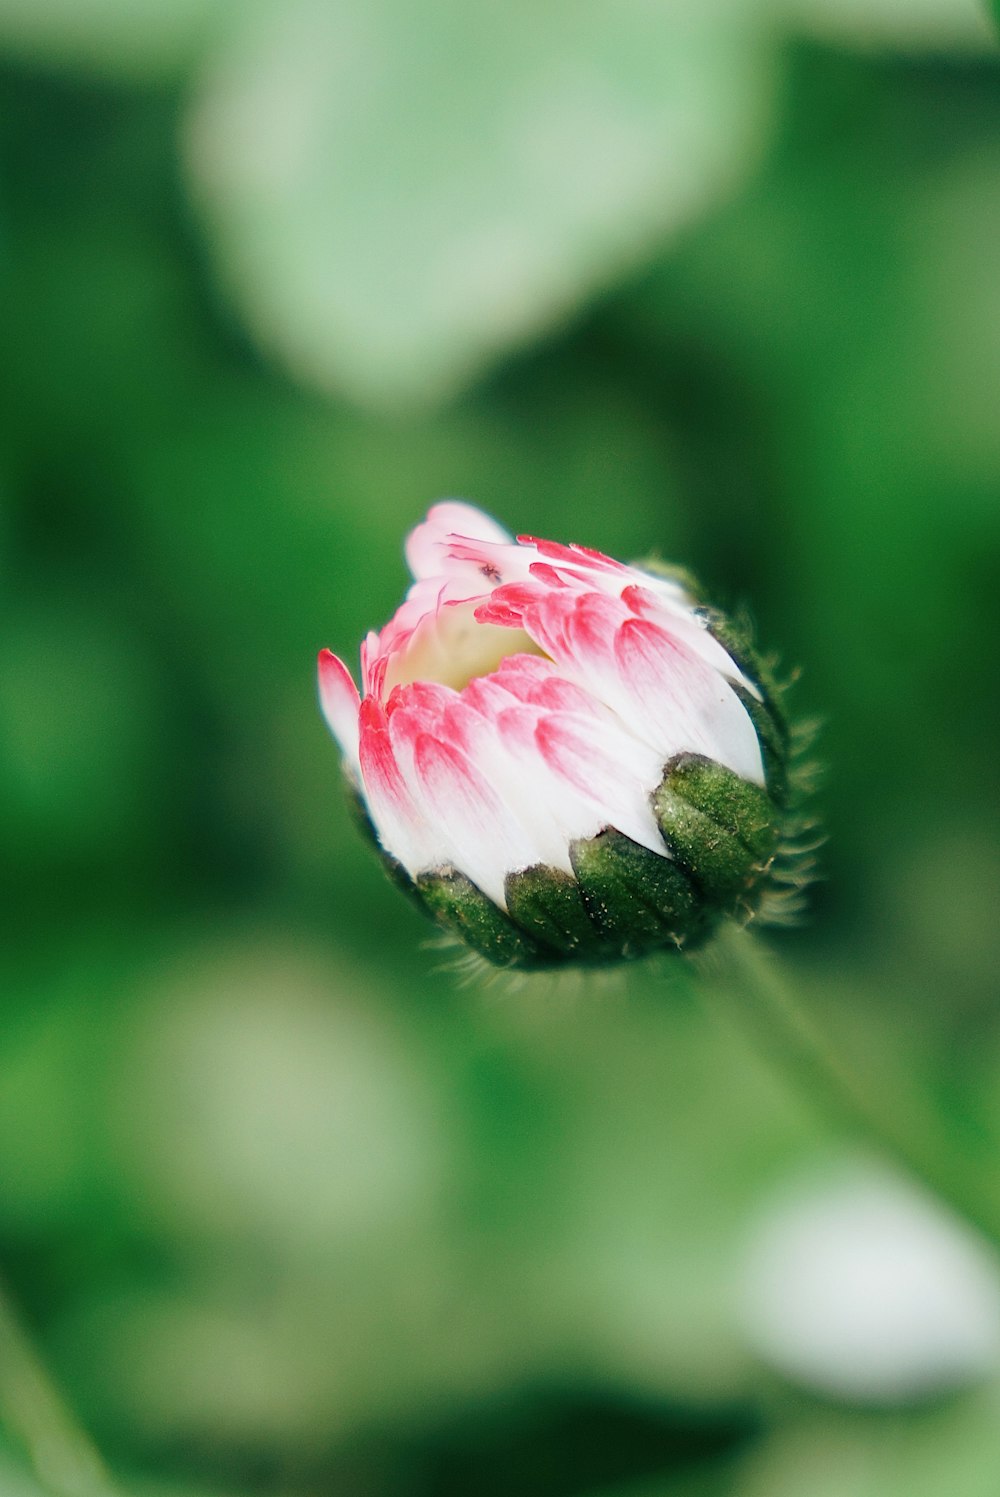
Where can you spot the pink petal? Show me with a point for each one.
(611, 771)
(453, 786)
(426, 707)
(575, 629)
(643, 601)
(607, 784)
(549, 576)
(485, 841)
(395, 817)
(573, 555)
(684, 703)
(590, 626)
(679, 618)
(559, 695)
(664, 693)
(373, 663)
(499, 614)
(488, 695)
(507, 603)
(486, 563)
(378, 762)
(426, 544)
(516, 724)
(340, 702)
(524, 675)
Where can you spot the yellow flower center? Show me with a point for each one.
(451, 648)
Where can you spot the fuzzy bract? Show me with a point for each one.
(562, 756)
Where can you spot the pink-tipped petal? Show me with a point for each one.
(575, 629)
(573, 555)
(550, 576)
(399, 819)
(506, 604)
(611, 771)
(340, 701)
(427, 543)
(681, 620)
(485, 840)
(687, 706)
(523, 676)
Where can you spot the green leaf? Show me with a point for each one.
(397, 194)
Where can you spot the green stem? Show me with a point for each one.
(741, 968)
(35, 1416)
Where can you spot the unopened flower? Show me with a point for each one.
(563, 757)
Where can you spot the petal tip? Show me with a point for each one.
(340, 700)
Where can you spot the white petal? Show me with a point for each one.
(680, 618)
(426, 544)
(684, 705)
(610, 770)
(469, 825)
(340, 702)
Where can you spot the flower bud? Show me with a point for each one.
(561, 757)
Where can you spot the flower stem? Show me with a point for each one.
(740, 967)
(34, 1415)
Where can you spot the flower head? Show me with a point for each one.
(564, 757)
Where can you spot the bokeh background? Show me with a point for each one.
(289, 1209)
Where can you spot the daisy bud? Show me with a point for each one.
(563, 758)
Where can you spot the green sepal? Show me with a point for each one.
(456, 903)
(774, 745)
(640, 900)
(547, 903)
(736, 638)
(722, 829)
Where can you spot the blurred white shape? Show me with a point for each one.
(268, 1093)
(863, 1287)
(399, 194)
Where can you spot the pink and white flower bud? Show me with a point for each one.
(561, 753)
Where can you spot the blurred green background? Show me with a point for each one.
(287, 1208)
